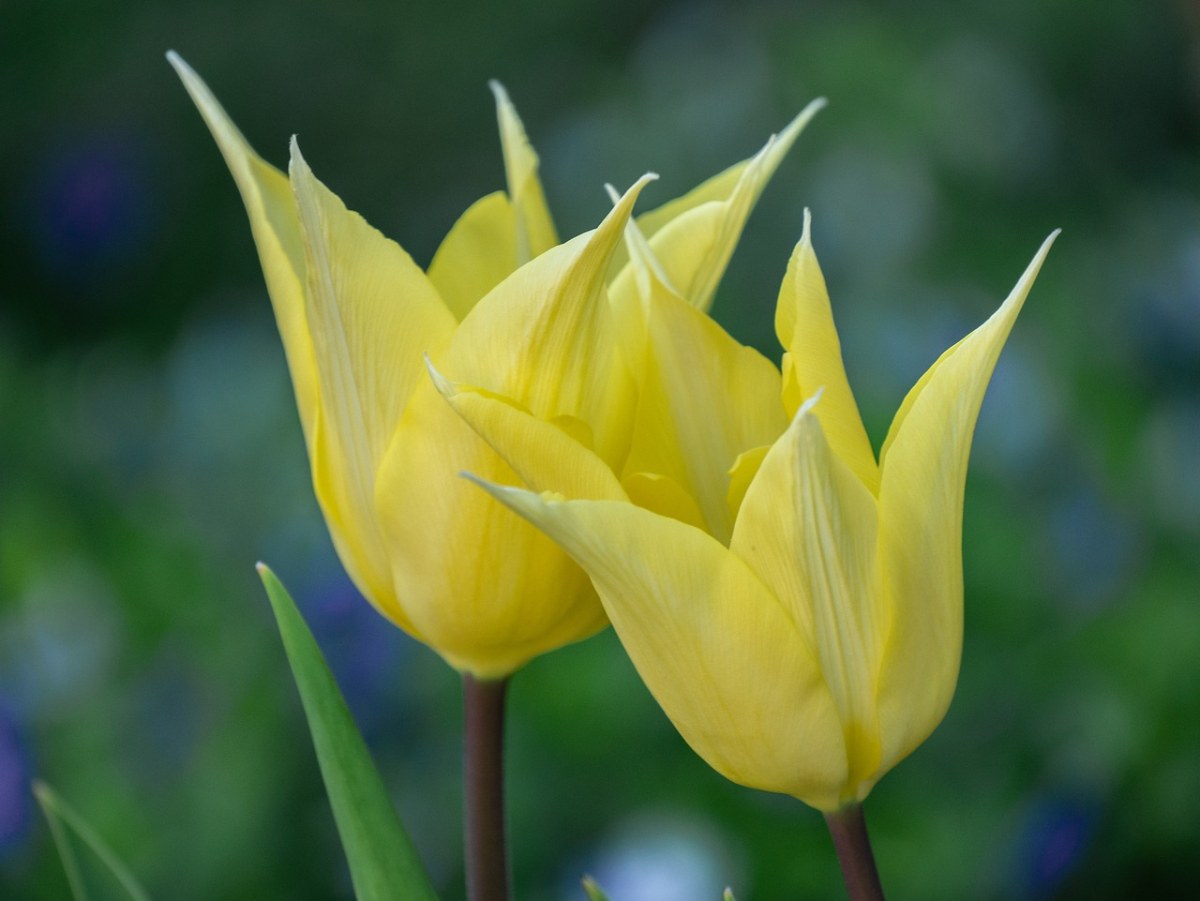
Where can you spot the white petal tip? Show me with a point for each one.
(297, 165)
(806, 407)
(802, 119)
(499, 92)
(443, 385)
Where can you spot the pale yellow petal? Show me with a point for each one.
(804, 325)
(695, 245)
(713, 214)
(703, 399)
(535, 232)
(275, 225)
(373, 314)
(921, 504)
(808, 529)
(478, 253)
(718, 652)
(545, 337)
(483, 588)
(545, 455)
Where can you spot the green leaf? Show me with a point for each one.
(62, 816)
(729, 895)
(383, 864)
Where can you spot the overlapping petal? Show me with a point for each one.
(813, 360)
(695, 235)
(478, 253)
(703, 399)
(372, 313)
(535, 233)
(716, 649)
(499, 232)
(808, 527)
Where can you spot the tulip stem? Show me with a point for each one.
(849, 830)
(487, 854)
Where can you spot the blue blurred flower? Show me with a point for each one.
(16, 801)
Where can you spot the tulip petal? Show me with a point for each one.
(716, 649)
(703, 398)
(545, 337)
(923, 467)
(741, 474)
(275, 225)
(695, 235)
(478, 253)
(808, 528)
(662, 495)
(804, 325)
(483, 588)
(535, 232)
(542, 454)
(373, 314)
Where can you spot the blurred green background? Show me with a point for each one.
(150, 451)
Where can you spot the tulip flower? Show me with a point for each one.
(504, 305)
(816, 643)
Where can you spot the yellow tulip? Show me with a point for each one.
(505, 307)
(817, 643)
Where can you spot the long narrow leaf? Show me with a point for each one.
(383, 864)
(61, 817)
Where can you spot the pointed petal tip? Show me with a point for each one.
(806, 407)
(182, 69)
(505, 494)
(498, 91)
(1025, 282)
(297, 165)
(443, 385)
(519, 500)
(194, 84)
(623, 204)
(793, 128)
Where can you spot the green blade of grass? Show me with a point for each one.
(383, 863)
(61, 817)
(593, 891)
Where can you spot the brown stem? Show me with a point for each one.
(487, 856)
(849, 830)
